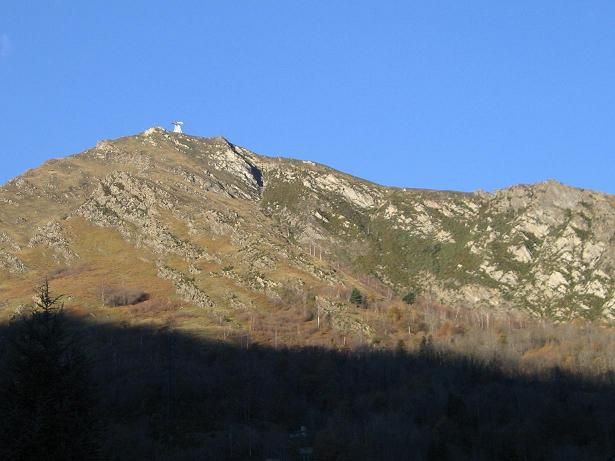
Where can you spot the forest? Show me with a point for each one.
(75, 388)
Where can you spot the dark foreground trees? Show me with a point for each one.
(170, 395)
(46, 403)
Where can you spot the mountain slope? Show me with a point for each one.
(213, 227)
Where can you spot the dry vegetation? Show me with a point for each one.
(511, 339)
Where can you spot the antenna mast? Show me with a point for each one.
(177, 127)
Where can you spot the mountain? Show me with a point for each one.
(180, 226)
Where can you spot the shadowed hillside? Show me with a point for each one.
(165, 395)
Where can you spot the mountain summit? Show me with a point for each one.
(214, 226)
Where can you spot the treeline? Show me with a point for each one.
(167, 395)
(513, 339)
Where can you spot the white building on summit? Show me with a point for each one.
(177, 127)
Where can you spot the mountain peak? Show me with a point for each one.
(198, 214)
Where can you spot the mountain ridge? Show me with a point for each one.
(193, 206)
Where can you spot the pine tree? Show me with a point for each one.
(356, 297)
(45, 395)
(409, 298)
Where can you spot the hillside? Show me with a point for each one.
(208, 235)
(208, 309)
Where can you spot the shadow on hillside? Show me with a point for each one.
(168, 395)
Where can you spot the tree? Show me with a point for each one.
(409, 298)
(45, 394)
(356, 297)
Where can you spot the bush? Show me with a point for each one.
(155, 306)
(67, 271)
(123, 296)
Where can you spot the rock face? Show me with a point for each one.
(213, 213)
(52, 236)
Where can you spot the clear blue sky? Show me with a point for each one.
(439, 94)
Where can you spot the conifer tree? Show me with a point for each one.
(45, 395)
(356, 297)
(409, 298)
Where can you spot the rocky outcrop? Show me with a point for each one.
(11, 263)
(8, 261)
(132, 205)
(52, 236)
(341, 319)
(185, 287)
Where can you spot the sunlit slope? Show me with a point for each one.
(215, 231)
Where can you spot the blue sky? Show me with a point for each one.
(442, 94)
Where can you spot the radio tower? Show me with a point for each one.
(177, 127)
